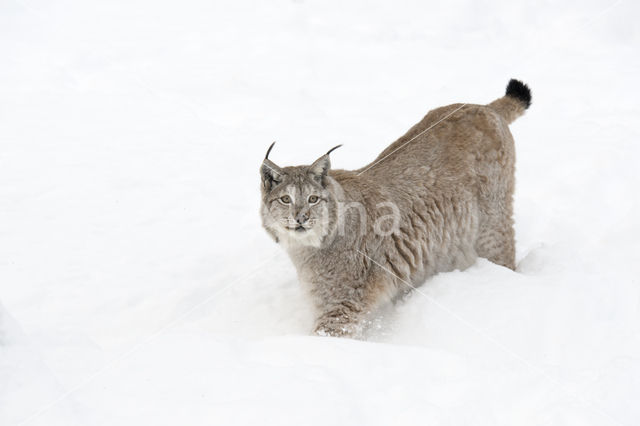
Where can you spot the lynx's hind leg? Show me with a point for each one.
(496, 239)
(496, 183)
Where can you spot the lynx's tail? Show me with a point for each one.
(515, 101)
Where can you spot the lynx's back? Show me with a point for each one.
(459, 163)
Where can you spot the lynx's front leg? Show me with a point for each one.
(345, 307)
(341, 319)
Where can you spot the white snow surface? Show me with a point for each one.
(136, 282)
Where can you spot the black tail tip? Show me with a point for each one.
(520, 91)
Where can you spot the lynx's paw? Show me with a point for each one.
(332, 331)
(338, 323)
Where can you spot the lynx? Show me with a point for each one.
(433, 201)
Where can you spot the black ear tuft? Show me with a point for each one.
(332, 149)
(266, 157)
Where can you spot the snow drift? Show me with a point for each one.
(132, 257)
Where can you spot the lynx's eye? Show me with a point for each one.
(285, 199)
(313, 199)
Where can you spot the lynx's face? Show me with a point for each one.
(297, 209)
(297, 204)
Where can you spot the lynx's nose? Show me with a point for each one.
(302, 218)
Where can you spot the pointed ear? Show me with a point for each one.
(271, 174)
(319, 169)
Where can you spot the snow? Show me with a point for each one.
(137, 285)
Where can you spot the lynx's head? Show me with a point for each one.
(298, 205)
